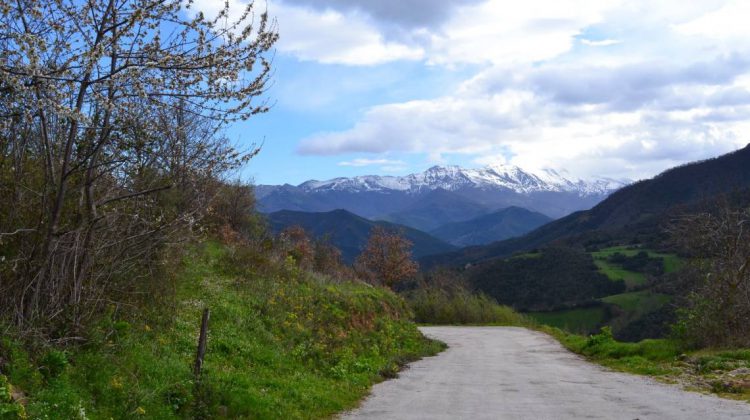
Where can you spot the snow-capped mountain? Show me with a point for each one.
(453, 178)
(441, 194)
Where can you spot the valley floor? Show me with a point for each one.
(516, 373)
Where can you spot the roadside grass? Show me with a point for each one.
(648, 357)
(434, 306)
(284, 345)
(638, 303)
(722, 372)
(577, 320)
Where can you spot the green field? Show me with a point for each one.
(615, 272)
(638, 303)
(579, 320)
(527, 255)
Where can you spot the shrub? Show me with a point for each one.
(459, 306)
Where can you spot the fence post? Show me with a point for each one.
(201, 344)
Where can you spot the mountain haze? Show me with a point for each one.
(496, 226)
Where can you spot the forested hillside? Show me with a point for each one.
(502, 224)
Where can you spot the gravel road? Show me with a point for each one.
(515, 373)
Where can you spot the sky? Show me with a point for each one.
(600, 88)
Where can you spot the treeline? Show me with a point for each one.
(639, 263)
(111, 147)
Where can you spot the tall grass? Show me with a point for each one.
(459, 306)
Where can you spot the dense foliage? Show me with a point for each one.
(555, 277)
(459, 306)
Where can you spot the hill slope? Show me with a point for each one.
(349, 232)
(496, 226)
(286, 344)
(435, 209)
(627, 209)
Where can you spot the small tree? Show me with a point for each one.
(298, 245)
(386, 258)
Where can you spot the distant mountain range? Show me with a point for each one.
(349, 232)
(442, 194)
(634, 213)
(502, 224)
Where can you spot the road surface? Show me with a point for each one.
(515, 373)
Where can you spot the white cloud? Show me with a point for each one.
(331, 37)
(360, 162)
(471, 31)
(611, 130)
(600, 43)
(498, 31)
(728, 22)
(675, 88)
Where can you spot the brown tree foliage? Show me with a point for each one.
(386, 259)
(298, 245)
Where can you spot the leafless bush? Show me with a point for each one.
(718, 309)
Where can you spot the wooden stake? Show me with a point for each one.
(201, 344)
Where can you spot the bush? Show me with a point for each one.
(459, 306)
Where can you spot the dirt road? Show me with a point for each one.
(515, 373)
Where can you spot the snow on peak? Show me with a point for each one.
(490, 177)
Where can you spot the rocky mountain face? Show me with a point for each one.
(401, 198)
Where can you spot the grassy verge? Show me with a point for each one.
(284, 345)
(459, 307)
(723, 372)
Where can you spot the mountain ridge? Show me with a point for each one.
(550, 192)
(635, 207)
(452, 177)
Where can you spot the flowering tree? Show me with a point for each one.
(110, 131)
(386, 258)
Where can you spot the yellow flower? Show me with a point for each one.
(146, 327)
(140, 411)
(115, 383)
